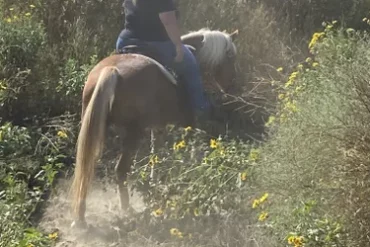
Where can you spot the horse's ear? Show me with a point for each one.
(196, 42)
(234, 34)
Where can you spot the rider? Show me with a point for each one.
(154, 22)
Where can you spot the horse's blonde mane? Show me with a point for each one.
(216, 46)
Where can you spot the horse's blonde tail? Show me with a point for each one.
(91, 138)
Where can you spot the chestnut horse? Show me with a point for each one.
(133, 93)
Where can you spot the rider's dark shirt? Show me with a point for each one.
(142, 20)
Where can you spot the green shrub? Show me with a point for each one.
(32, 160)
(22, 39)
(194, 176)
(14, 140)
(318, 145)
(18, 202)
(71, 83)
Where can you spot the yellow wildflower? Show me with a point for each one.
(291, 240)
(254, 154)
(315, 38)
(153, 160)
(334, 22)
(158, 212)
(270, 121)
(32, 6)
(296, 241)
(27, 14)
(291, 106)
(213, 143)
(283, 118)
(308, 60)
(174, 231)
(300, 66)
(243, 176)
(187, 129)
(264, 198)
(281, 96)
(315, 64)
(53, 236)
(15, 17)
(62, 134)
(8, 20)
(280, 69)
(294, 75)
(3, 84)
(298, 89)
(291, 79)
(288, 83)
(11, 9)
(179, 145)
(256, 203)
(364, 20)
(263, 216)
(30, 245)
(196, 212)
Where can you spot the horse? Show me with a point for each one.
(133, 93)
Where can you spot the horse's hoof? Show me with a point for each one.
(79, 224)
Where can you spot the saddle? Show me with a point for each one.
(151, 52)
(148, 51)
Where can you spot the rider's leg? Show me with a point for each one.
(125, 38)
(119, 44)
(166, 50)
(188, 69)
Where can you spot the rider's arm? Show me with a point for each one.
(170, 23)
(167, 15)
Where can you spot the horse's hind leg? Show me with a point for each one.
(130, 143)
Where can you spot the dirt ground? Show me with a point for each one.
(105, 220)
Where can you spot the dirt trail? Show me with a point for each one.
(106, 225)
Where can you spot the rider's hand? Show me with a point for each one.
(179, 53)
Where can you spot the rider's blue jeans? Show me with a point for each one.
(188, 69)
